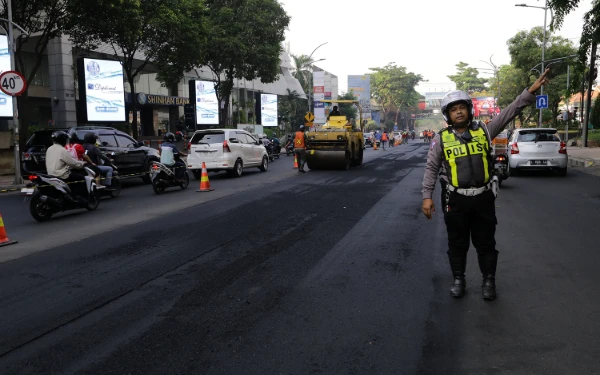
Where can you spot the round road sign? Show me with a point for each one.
(12, 83)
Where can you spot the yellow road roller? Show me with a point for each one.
(339, 144)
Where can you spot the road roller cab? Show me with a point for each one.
(338, 144)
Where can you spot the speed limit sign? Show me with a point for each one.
(12, 83)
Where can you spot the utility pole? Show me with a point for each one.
(584, 129)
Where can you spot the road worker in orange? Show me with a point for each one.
(300, 147)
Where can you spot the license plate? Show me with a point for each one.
(538, 162)
(27, 191)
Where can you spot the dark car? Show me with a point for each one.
(131, 157)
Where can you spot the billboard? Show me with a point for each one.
(207, 105)
(485, 106)
(360, 85)
(6, 104)
(268, 110)
(103, 90)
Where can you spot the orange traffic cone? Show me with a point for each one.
(295, 161)
(4, 241)
(204, 182)
(374, 144)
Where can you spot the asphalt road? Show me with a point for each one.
(332, 272)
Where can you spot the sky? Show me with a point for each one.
(428, 37)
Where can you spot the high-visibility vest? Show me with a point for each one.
(384, 137)
(467, 163)
(299, 140)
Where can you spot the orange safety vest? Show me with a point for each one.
(384, 137)
(299, 140)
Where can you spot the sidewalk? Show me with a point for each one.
(583, 157)
(7, 184)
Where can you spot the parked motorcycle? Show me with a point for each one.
(163, 177)
(49, 195)
(501, 167)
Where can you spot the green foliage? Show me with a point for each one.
(466, 78)
(244, 41)
(346, 109)
(525, 49)
(394, 88)
(302, 73)
(591, 19)
(371, 126)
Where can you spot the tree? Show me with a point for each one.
(466, 78)
(44, 20)
(244, 41)
(132, 28)
(525, 50)
(302, 73)
(347, 109)
(394, 88)
(512, 83)
(591, 21)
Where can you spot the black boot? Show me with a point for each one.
(458, 264)
(487, 265)
(488, 288)
(458, 287)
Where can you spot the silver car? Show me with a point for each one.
(537, 149)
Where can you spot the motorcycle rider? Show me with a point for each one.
(168, 151)
(61, 164)
(276, 145)
(97, 157)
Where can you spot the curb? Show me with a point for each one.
(11, 188)
(581, 162)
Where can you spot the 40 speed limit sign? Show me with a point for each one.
(12, 83)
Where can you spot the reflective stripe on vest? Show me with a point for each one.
(467, 164)
(299, 140)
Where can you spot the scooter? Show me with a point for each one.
(114, 190)
(501, 167)
(48, 195)
(289, 149)
(163, 177)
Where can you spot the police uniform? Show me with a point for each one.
(465, 167)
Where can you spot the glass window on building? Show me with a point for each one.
(42, 75)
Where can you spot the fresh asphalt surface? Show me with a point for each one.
(333, 272)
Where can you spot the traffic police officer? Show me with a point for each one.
(461, 152)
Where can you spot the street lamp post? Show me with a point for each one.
(545, 8)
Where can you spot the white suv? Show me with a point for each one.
(230, 150)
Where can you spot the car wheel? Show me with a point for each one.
(265, 164)
(197, 174)
(562, 172)
(146, 176)
(238, 169)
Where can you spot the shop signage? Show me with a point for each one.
(162, 100)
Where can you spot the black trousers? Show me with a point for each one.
(471, 219)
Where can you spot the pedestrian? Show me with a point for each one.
(300, 148)
(463, 153)
(384, 139)
(392, 139)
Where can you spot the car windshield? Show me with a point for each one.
(208, 138)
(41, 138)
(538, 136)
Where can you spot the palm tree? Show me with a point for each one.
(302, 71)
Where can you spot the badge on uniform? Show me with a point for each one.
(432, 145)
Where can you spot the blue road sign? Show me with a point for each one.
(395, 128)
(541, 101)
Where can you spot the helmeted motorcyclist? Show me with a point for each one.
(60, 163)
(168, 153)
(97, 157)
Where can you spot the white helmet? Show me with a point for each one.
(455, 97)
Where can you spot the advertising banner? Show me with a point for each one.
(207, 105)
(6, 104)
(485, 106)
(104, 90)
(319, 78)
(268, 110)
(319, 112)
(360, 85)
